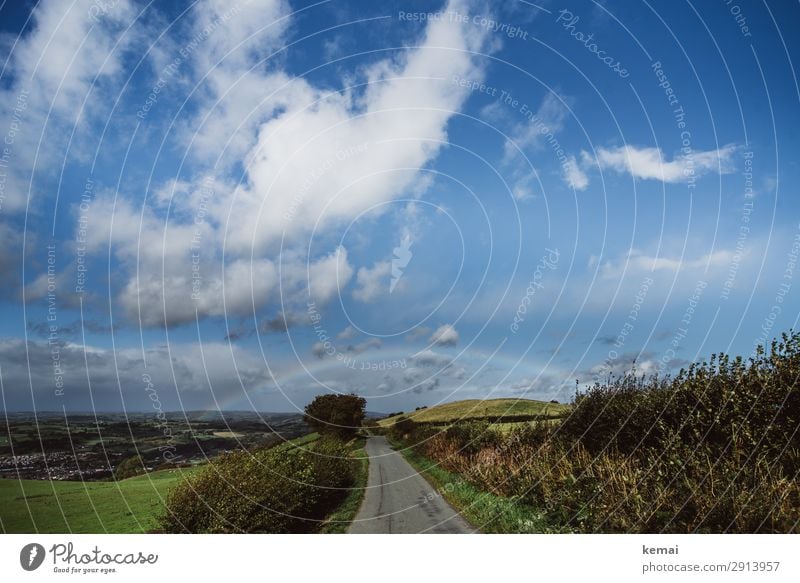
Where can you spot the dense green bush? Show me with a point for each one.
(755, 404)
(130, 467)
(337, 415)
(402, 428)
(715, 449)
(278, 490)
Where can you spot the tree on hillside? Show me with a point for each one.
(339, 415)
(130, 467)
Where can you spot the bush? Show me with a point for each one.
(130, 467)
(403, 428)
(755, 404)
(337, 415)
(716, 449)
(276, 490)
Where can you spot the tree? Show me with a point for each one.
(130, 467)
(338, 415)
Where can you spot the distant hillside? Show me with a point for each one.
(489, 409)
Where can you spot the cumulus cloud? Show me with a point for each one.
(328, 275)
(651, 163)
(574, 175)
(548, 120)
(185, 375)
(312, 159)
(177, 272)
(320, 350)
(10, 258)
(431, 358)
(59, 74)
(542, 128)
(418, 380)
(329, 156)
(372, 281)
(226, 40)
(445, 335)
(636, 262)
(348, 333)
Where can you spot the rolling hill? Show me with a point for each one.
(489, 409)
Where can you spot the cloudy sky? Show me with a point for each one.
(246, 204)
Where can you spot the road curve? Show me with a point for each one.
(400, 501)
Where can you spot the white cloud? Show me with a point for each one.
(346, 334)
(232, 48)
(651, 164)
(636, 262)
(313, 159)
(522, 191)
(574, 175)
(174, 299)
(445, 335)
(431, 358)
(232, 35)
(329, 156)
(58, 74)
(67, 49)
(329, 275)
(177, 272)
(372, 281)
(549, 119)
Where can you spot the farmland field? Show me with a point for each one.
(132, 505)
(61, 506)
(491, 409)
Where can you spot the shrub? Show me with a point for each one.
(755, 404)
(403, 428)
(130, 467)
(716, 449)
(276, 490)
(338, 415)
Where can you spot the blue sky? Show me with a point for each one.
(253, 203)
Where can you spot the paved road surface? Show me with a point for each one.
(399, 500)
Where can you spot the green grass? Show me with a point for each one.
(127, 506)
(507, 427)
(486, 511)
(482, 409)
(299, 441)
(338, 522)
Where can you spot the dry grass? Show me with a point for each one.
(482, 409)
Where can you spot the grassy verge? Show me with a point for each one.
(339, 520)
(486, 511)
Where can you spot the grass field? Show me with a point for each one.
(228, 434)
(127, 506)
(482, 409)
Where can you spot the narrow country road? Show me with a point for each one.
(399, 500)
